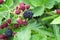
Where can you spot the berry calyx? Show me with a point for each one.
(25, 23)
(28, 14)
(8, 33)
(16, 25)
(8, 21)
(17, 12)
(22, 7)
(19, 21)
(27, 6)
(1, 1)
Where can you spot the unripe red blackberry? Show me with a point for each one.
(22, 7)
(8, 21)
(16, 25)
(17, 12)
(58, 11)
(4, 25)
(1, 1)
(27, 6)
(28, 14)
(1, 27)
(5, 38)
(2, 36)
(19, 21)
(8, 33)
(25, 23)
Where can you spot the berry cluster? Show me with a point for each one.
(16, 25)
(20, 22)
(26, 14)
(1, 1)
(21, 7)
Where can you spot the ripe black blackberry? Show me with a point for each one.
(9, 33)
(28, 14)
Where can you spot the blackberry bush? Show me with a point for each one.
(29, 20)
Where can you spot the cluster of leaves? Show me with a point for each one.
(43, 26)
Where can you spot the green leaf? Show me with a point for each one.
(25, 1)
(49, 18)
(15, 38)
(2, 31)
(57, 1)
(43, 31)
(36, 3)
(49, 3)
(56, 31)
(24, 34)
(5, 14)
(9, 3)
(38, 11)
(1, 17)
(3, 8)
(56, 20)
(16, 1)
(39, 36)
